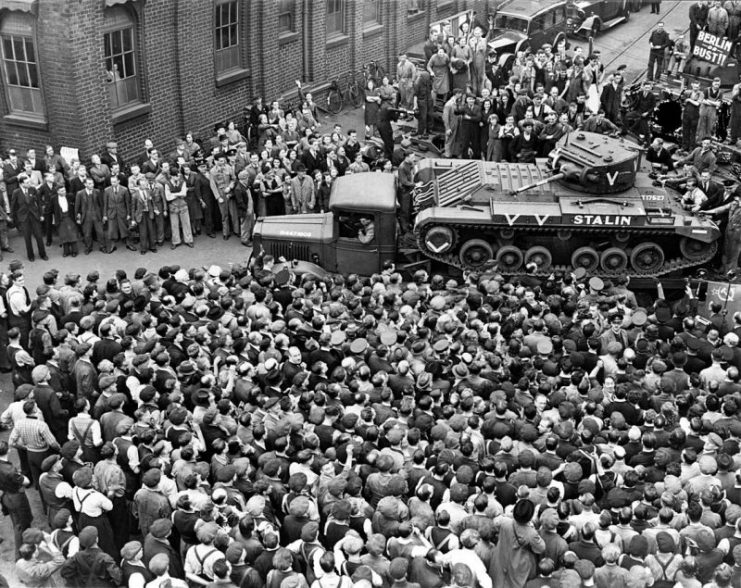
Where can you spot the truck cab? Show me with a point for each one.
(332, 240)
(522, 24)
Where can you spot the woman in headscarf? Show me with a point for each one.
(514, 561)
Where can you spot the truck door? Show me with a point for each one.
(357, 252)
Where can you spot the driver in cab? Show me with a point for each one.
(366, 231)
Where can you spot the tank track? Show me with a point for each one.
(669, 265)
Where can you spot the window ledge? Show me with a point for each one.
(284, 38)
(372, 30)
(27, 120)
(445, 4)
(231, 76)
(337, 41)
(415, 15)
(131, 112)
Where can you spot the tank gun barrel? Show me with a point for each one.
(539, 183)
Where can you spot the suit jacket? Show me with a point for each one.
(118, 204)
(314, 162)
(26, 208)
(47, 195)
(138, 206)
(158, 197)
(88, 208)
(243, 198)
(10, 175)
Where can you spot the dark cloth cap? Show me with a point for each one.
(49, 462)
(160, 528)
(88, 537)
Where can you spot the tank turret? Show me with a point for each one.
(588, 204)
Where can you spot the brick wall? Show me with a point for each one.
(176, 61)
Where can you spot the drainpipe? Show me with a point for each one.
(306, 40)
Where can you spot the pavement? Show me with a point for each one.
(625, 44)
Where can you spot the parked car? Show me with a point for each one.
(519, 24)
(586, 18)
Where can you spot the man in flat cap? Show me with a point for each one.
(91, 566)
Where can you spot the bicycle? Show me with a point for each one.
(353, 93)
(333, 102)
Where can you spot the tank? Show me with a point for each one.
(589, 204)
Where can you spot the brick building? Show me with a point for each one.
(80, 72)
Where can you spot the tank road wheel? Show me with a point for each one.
(613, 260)
(475, 253)
(509, 258)
(647, 257)
(585, 257)
(540, 256)
(439, 239)
(693, 250)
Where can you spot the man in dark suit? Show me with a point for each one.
(313, 159)
(88, 212)
(11, 169)
(142, 213)
(47, 192)
(117, 213)
(111, 155)
(28, 214)
(713, 190)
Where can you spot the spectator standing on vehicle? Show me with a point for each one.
(406, 187)
(692, 98)
(479, 50)
(698, 19)
(717, 20)
(471, 116)
(734, 128)
(709, 109)
(423, 104)
(733, 8)
(405, 74)
(680, 53)
(612, 97)
(658, 42)
(439, 68)
(460, 58)
(732, 240)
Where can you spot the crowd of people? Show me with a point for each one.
(250, 428)
(247, 427)
(519, 113)
(287, 166)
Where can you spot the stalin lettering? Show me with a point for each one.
(609, 220)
